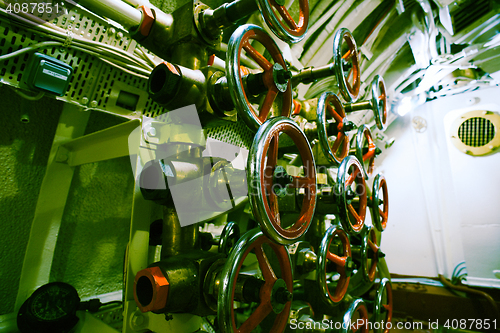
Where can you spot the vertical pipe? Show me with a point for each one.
(191, 55)
(177, 239)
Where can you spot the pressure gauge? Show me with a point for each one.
(51, 308)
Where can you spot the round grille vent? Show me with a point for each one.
(476, 133)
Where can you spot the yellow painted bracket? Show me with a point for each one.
(99, 146)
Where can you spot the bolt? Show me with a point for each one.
(93, 104)
(112, 31)
(85, 100)
(137, 320)
(283, 76)
(281, 177)
(349, 266)
(349, 194)
(61, 157)
(378, 151)
(151, 132)
(119, 35)
(348, 126)
(346, 65)
(381, 254)
(283, 296)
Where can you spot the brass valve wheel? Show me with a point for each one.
(267, 181)
(380, 197)
(342, 261)
(228, 238)
(366, 150)
(275, 294)
(280, 21)
(351, 192)
(346, 63)
(357, 314)
(383, 305)
(379, 102)
(275, 78)
(329, 104)
(370, 254)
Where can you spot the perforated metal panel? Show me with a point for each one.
(94, 84)
(476, 132)
(236, 133)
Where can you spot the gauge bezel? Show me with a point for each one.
(28, 320)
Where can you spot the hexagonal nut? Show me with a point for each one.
(164, 82)
(147, 21)
(151, 289)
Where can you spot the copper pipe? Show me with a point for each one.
(472, 291)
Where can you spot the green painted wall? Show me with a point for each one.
(95, 227)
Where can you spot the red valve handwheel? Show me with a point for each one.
(380, 215)
(254, 241)
(367, 158)
(262, 188)
(370, 255)
(346, 62)
(357, 315)
(351, 192)
(282, 23)
(329, 104)
(379, 101)
(343, 263)
(383, 305)
(274, 79)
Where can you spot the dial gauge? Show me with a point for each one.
(51, 308)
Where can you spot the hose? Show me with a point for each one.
(472, 291)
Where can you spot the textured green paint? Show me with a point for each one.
(95, 227)
(24, 151)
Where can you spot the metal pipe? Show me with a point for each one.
(116, 10)
(472, 291)
(177, 239)
(358, 106)
(137, 3)
(310, 74)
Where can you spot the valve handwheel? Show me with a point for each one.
(282, 23)
(267, 181)
(329, 104)
(346, 64)
(351, 190)
(380, 215)
(343, 262)
(383, 305)
(275, 294)
(358, 315)
(366, 156)
(275, 76)
(228, 238)
(379, 101)
(370, 255)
